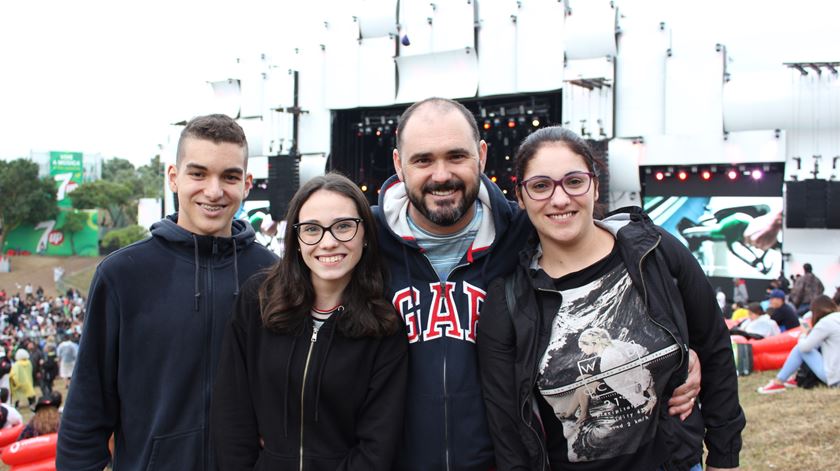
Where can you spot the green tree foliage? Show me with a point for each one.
(119, 238)
(115, 198)
(151, 175)
(24, 198)
(122, 171)
(74, 221)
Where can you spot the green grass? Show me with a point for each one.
(794, 430)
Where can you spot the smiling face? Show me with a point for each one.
(330, 261)
(440, 163)
(561, 219)
(211, 183)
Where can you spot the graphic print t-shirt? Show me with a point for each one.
(601, 377)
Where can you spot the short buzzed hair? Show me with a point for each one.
(216, 128)
(442, 104)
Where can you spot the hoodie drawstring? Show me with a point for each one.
(235, 270)
(197, 294)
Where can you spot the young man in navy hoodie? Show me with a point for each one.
(447, 231)
(156, 315)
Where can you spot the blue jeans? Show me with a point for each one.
(696, 467)
(813, 359)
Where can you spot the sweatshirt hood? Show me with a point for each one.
(393, 201)
(242, 235)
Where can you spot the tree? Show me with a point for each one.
(74, 221)
(119, 238)
(24, 198)
(119, 170)
(151, 176)
(113, 197)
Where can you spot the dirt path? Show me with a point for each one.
(38, 270)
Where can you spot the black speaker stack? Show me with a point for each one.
(283, 182)
(812, 204)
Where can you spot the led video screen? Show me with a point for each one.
(731, 236)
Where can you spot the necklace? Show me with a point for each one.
(315, 310)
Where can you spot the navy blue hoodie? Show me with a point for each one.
(156, 315)
(445, 423)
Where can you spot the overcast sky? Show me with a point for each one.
(109, 77)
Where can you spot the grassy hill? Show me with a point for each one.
(38, 270)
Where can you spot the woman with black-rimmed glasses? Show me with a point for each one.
(581, 348)
(313, 368)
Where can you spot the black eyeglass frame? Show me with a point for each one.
(592, 177)
(329, 229)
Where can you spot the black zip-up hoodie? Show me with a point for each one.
(156, 314)
(351, 390)
(446, 426)
(679, 298)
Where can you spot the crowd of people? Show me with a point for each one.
(39, 343)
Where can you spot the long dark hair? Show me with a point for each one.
(821, 306)
(287, 295)
(558, 135)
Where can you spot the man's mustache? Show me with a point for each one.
(444, 186)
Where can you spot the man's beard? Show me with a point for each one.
(449, 214)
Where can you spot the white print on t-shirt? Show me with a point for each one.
(605, 367)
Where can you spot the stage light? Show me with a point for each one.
(504, 191)
(379, 132)
(486, 125)
(364, 187)
(507, 157)
(493, 179)
(659, 176)
(511, 124)
(682, 175)
(756, 174)
(732, 174)
(706, 175)
(535, 123)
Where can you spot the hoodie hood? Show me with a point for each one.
(242, 234)
(168, 229)
(393, 202)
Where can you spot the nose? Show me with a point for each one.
(329, 240)
(559, 197)
(213, 189)
(440, 171)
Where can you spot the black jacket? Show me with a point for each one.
(155, 318)
(679, 298)
(352, 392)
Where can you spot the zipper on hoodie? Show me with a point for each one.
(303, 385)
(683, 348)
(445, 393)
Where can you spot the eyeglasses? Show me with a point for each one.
(542, 188)
(342, 230)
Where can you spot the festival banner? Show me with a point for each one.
(67, 170)
(51, 238)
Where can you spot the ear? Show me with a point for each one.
(518, 191)
(249, 183)
(172, 176)
(398, 165)
(597, 193)
(482, 155)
